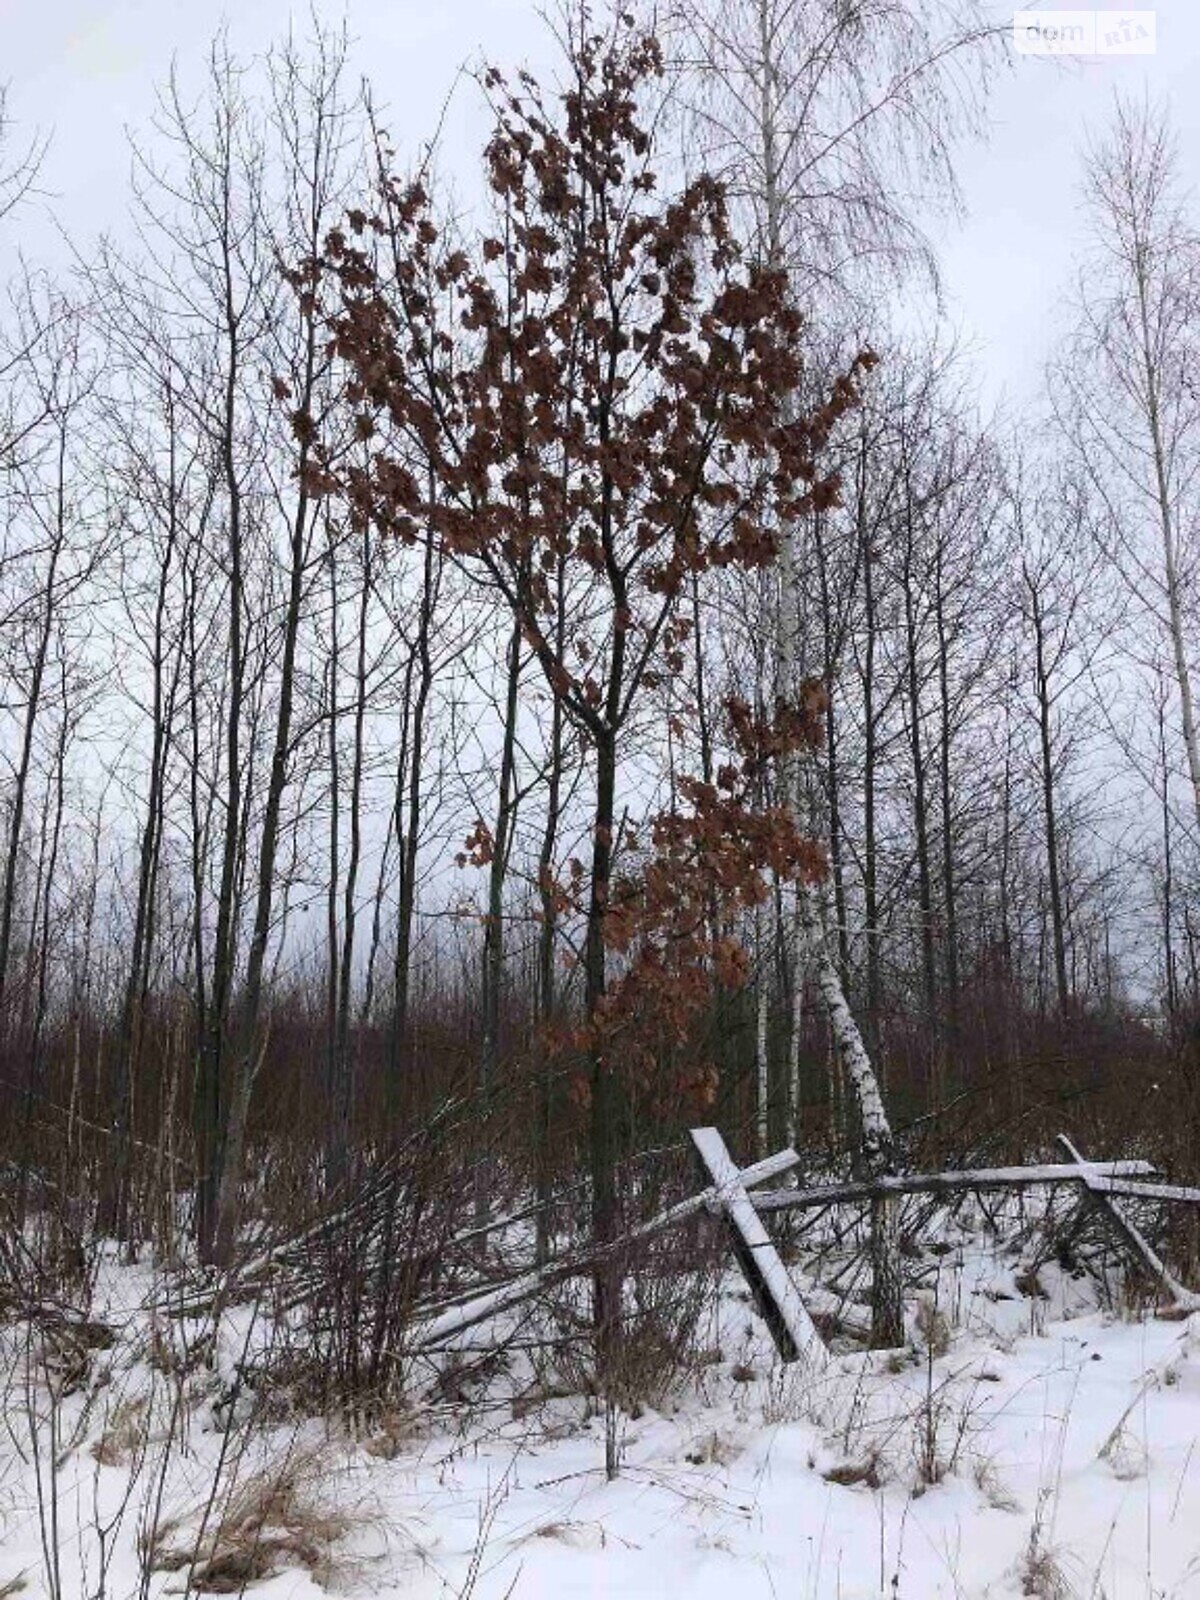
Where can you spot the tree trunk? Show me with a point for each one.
(875, 1133)
(1046, 744)
(113, 1214)
(949, 876)
(547, 938)
(606, 1282)
(493, 934)
(408, 827)
(920, 792)
(870, 767)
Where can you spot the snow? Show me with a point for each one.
(1022, 1445)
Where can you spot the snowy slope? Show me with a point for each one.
(1022, 1446)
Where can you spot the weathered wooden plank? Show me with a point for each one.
(791, 1327)
(1140, 1190)
(453, 1318)
(941, 1183)
(769, 1167)
(1131, 1235)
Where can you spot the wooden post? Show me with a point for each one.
(1131, 1236)
(790, 1325)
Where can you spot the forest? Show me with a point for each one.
(505, 667)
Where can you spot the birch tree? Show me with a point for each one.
(818, 116)
(1125, 388)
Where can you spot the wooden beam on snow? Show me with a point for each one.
(943, 1183)
(777, 1297)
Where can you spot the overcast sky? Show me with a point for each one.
(85, 72)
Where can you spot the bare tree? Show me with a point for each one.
(821, 117)
(46, 514)
(1125, 390)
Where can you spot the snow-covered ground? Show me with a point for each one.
(1022, 1446)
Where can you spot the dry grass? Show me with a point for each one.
(272, 1521)
(993, 1487)
(577, 1535)
(849, 1474)
(123, 1436)
(1042, 1577)
(713, 1449)
(933, 1326)
(397, 1429)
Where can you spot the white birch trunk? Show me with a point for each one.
(875, 1130)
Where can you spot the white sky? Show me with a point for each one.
(1009, 268)
(86, 70)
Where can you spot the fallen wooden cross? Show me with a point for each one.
(735, 1195)
(447, 1322)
